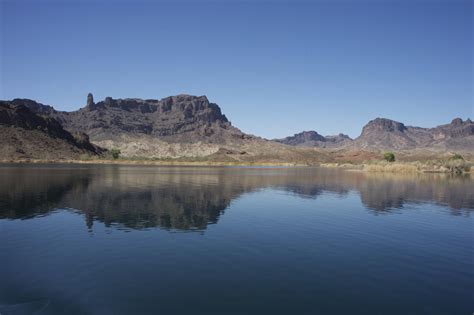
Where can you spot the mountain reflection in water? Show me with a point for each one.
(190, 198)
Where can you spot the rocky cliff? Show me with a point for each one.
(173, 127)
(181, 118)
(26, 134)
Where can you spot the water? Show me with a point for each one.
(169, 240)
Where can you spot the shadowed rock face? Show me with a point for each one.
(383, 125)
(193, 198)
(181, 118)
(175, 126)
(29, 135)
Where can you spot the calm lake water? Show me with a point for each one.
(172, 240)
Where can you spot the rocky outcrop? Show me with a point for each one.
(314, 139)
(29, 135)
(173, 127)
(181, 118)
(382, 133)
(339, 139)
(307, 138)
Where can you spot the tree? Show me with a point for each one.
(389, 157)
(115, 153)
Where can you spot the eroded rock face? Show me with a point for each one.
(22, 117)
(383, 125)
(170, 127)
(26, 134)
(181, 118)
(90, 102)
(457, 128)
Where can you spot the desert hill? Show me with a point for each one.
(29, 135)
(386, 134)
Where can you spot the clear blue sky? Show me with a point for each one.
(274, 67)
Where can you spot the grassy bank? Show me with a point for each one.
(432, 166)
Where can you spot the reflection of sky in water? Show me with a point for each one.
(263, 241)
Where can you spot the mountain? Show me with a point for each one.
(386, 134)
(182, 126)
(382, 133)
(181, 118)
(174, 126)
(29, 135)
(314, 139)
(191, 127)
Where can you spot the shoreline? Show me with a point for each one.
(151, 162)
(441, 167)
(437, 167)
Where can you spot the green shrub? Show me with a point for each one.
(389, 157)
(115, 153)
(85, 157)
(457, 166)
(456, 157)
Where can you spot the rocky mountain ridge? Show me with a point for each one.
(186, 126)
(314, 139)
(387, 134)
(382, 133)
(173, 127)
(29, 135)
(168, 118)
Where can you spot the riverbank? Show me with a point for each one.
(148, 162)
(432, 166)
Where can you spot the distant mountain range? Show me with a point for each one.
(386, 134)
(314, 139)
(192, 127)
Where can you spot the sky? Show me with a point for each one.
(274, 67)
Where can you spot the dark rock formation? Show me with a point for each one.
(181, 118)
(303, 138)
(338, 139)
(383, 125)
(26, 134)
(314, 139)
(90, 102)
